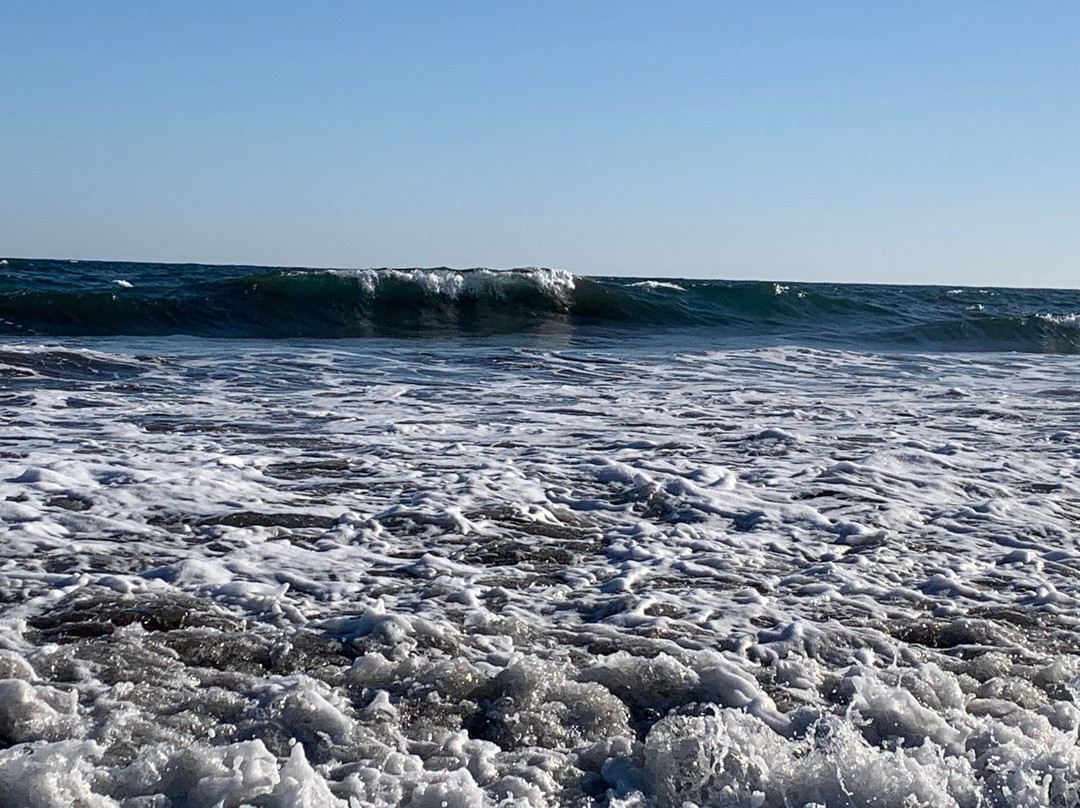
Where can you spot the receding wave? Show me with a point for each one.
(52, 298)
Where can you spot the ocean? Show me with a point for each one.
(446, 538)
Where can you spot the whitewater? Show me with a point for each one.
(283, 537)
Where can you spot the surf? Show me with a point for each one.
(56, 298)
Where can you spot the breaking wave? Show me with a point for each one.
(54, 298)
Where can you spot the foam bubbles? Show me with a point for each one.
(406, 574)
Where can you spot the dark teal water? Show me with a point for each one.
(92, 298)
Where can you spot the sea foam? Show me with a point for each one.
(404, 573)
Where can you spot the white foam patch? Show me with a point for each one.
(658, 285)
(396, 573)
(453, 284)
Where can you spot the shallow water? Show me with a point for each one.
(535, 570)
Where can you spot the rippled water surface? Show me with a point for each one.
(535, 570)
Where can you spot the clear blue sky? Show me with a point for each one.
(905, 142)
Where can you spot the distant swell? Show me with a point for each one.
(54, 298)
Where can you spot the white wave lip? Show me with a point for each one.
(1071, 320)
(398, 575)
(453, 284)
(658, 285)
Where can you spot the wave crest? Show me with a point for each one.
(54, 298)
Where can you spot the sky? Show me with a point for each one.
(904, 142)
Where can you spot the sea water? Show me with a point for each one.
(441, 538)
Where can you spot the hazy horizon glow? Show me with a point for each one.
(843, 142)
